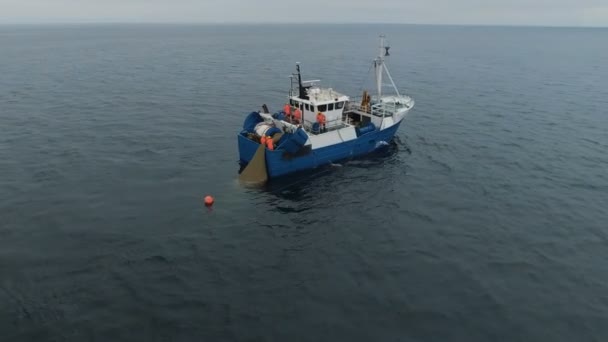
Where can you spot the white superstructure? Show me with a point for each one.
(343, 114)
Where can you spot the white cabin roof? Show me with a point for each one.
(325, 95)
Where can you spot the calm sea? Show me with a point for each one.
(486, 221)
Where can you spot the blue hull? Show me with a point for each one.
(278, 165)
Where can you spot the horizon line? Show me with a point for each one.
(51, 23)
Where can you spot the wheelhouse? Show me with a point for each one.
(311, 100)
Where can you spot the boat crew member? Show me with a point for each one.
(321, 120)
(287, 110)
(297, 115)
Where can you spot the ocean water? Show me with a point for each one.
(486, 220)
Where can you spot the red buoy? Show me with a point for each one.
(208, 200)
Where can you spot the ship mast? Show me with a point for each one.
(379, 65)
(302, 91)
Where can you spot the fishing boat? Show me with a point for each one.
(320, 126)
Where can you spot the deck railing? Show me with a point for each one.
(331, 125)
(380, 109)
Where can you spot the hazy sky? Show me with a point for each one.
(501, 12)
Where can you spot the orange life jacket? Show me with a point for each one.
(298, 114)
(321, 118)
(287, 109)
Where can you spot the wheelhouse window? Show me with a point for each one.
(306, 106)
(339, 105)
(322, 108)
(330, 106)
